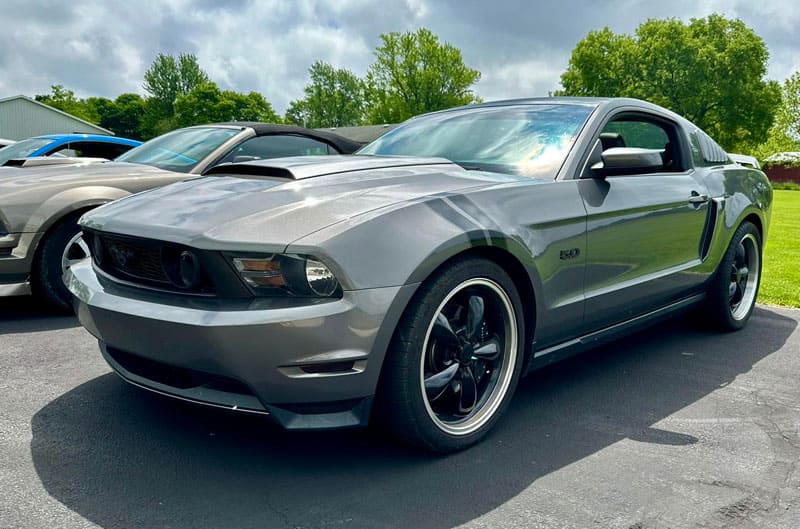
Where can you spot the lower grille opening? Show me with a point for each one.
(331, 367)
(173, 376)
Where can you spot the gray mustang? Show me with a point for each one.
(414, 283)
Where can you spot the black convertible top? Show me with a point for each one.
(340, 143)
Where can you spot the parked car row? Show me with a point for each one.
(39, 208)
(409, 285)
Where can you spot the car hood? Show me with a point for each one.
(266, 212)
(13, 179)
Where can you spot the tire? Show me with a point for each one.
(445, 384)
(732, 295)
(49, 264)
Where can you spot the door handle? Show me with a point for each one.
(696, 198)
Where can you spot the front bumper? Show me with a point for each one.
(15, 263)
(311, 365)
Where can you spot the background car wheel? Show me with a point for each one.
(61, 247)
(732, 295)
(454, 360)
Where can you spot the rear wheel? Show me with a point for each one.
(61, 248)
(732, 295)
(455, 359)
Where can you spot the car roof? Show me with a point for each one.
(341, 143)
(606, 103)
(89, 137)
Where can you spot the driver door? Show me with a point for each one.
(644, 230)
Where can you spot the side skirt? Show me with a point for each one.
(572, 347)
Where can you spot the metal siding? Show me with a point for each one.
(20, 119)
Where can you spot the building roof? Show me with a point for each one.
(783, 157)
(48, 107)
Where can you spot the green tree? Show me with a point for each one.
(788, 116)
(64, 99)
(206, 103)
(784, 135)
(333, 98)
(414, 73)
(710, 70)
(167, 79)
(123, 116)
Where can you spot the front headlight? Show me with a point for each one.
(287, 274)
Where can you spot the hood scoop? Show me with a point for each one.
(300, 167)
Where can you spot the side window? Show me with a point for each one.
(263, 147)
(633, 131)
(86, 149)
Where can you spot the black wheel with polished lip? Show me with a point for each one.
(455, 358)
(733, 293)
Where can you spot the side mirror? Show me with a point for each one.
(626, 161)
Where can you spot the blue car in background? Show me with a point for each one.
(72, 145)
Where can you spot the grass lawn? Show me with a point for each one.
(780, 281)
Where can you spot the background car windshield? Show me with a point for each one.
(23, 148)
(181, 150)
(526, 140)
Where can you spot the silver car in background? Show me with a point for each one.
(39, 207)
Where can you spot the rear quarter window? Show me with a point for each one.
(706, 151)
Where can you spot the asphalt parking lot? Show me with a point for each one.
(674, 427)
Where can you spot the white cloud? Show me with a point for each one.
(103, 47)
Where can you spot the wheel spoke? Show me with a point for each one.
(76, 250)
(468, 396)
(740, 255)
(436, 384)
(475, 318)
(743, 273)
(84, 247)
(443, 332)
(489, 350)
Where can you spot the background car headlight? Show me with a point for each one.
(287, 274)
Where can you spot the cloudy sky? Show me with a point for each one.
(103, 47)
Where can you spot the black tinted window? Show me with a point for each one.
(88, 149)
(640, 134)
(263, 147)
(634, 130)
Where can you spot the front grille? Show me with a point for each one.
(151, 263)
(135, 259)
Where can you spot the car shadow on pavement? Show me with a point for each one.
(122, 457)
(27, 314)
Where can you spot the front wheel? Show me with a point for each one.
(732, 295)
(455, 359)
(62, 247)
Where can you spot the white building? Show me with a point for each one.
(22, 117)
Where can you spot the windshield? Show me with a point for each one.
(23, 148)
(180, 150)
(526, 140)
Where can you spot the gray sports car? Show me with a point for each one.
(39, 207)
(414, 283)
